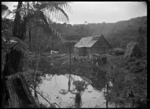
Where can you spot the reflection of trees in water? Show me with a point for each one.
(78, 100)
(63, 91)
(80, 86)
(69, 82)
(96, 76)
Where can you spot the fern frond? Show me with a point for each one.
(17, 44)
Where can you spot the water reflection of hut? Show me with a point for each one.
(93, 44)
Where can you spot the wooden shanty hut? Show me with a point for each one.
(93, 44)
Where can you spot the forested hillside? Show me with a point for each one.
(118, 34)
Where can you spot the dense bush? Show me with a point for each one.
(128, 75)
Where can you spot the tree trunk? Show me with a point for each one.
(30, 40)
(107, 93)
(37, 57)
(116, 105)
(15, 92)
(132, 102)
(78, 100)
(69, 82)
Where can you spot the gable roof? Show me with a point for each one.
(107, 42)
(89, 41)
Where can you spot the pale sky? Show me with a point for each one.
(97, 12)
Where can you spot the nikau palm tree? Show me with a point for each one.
(41, 14)
(41, 20)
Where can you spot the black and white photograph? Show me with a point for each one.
(74, 54)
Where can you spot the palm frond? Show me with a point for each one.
(39, 14)
(56, 14)
(17, 44)
(24, 9)
(6, 14)
(48, 28)
(62, 11)
(53, 10)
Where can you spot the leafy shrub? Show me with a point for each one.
(118, 51)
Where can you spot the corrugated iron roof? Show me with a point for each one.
(87, 41)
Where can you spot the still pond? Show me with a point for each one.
(57, 90)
